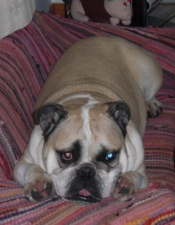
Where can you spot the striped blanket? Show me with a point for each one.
(26, 58)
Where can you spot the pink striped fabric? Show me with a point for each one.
(26, 58)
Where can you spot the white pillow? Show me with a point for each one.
(14, 15)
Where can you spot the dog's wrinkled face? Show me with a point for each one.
(83, 147)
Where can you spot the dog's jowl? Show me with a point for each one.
(90, 118)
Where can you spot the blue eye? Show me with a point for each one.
(110, 156)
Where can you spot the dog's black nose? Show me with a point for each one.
(86, 173)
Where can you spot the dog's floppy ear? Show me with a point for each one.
(121, 114)
(49, 116)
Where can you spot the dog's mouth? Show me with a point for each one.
(85, 196)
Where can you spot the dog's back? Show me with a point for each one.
(108, 67)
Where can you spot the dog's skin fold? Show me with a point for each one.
(90, 118)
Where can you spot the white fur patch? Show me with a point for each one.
(109, 180)
(52, 163)
(35, 146)
(86, 124)
(88, 96)
(135, 149)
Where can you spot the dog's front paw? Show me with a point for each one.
(154, 108)
(125, 189)
(39, 189)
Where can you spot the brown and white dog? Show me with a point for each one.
(90, 118)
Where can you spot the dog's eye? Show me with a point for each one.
(106, 156)
(71, 154)
(67, 156)
(110, 156)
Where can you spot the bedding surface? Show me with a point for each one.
(26, 59)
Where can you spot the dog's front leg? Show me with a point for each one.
(128, 185)
(37, 183)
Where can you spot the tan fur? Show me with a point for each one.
(113, 69)
(89, 76)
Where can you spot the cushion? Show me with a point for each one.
(26, 59)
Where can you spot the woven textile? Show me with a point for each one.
(26, 58)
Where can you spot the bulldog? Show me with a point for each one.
(90, 118)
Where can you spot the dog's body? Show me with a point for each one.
(90, 119)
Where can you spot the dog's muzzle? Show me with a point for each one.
(84, 186)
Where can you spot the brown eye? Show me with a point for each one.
(67, 156)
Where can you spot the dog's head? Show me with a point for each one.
(83, 147)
